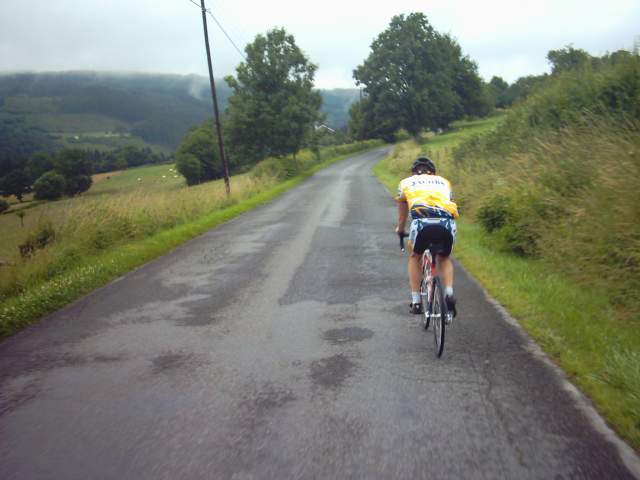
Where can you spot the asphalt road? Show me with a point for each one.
(279, 345)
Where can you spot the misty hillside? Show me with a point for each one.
(45, 109)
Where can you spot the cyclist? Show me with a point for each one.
(429, 200)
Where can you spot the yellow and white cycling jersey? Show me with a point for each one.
(427, 195)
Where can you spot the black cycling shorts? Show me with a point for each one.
(437, 235)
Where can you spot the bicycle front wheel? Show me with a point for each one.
(439, 311)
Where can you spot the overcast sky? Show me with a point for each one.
(505, 37)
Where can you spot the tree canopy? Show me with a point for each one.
(567, 58)
(49, 186)
(76, 168)
(273, 106)
(198, 158)
(416, 78)
(17, 183)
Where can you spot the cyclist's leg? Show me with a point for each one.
(415, 265)
(415, 271)
(419, 242)
(443, 238)
(445, 267)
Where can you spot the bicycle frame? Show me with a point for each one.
(428, 264)
(434, 298)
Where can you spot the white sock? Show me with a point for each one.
(448, 291)
(415, 297)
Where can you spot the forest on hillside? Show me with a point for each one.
(41, 111)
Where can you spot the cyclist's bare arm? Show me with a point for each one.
(403, 213)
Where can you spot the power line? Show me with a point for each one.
(208, 10)
(226, 34)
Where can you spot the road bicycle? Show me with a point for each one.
(434, 306)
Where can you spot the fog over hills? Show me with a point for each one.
(157, 108)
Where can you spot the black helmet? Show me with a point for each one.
(423, 164)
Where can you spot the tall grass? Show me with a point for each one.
(80, 232)
(559, 180)
(564, 295)
(89, 225)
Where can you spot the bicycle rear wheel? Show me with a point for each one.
(439, 311)
(426, 308)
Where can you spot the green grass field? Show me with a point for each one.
(121, 223)
(573, 322)
(150, 178)
(14, 230)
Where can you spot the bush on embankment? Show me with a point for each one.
(291, 166)
(557, 183)
(559, 179)
(81, 231)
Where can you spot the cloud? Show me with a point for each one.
(505, 38)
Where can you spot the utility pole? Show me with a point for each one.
(215, 101)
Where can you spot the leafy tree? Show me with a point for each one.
(76, 168)
(567, 58)
(370, 120)
(274, 106)
(71, 162)
(16, 182)
(522, 88)
(39, 164)
(496, 89)
(199, 144)
(77, 184)
(417, 78)
(498, 83)
(4, 205)
(50, 186)
(468, 86)
(134, 157)
(18, 141)
(189, 167)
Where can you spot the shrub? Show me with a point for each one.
(558, 179)
(43, 236)
(189, 167)
(280, 168)
(77, 184)
(494, 214)
(50, 186)
(4, 205)
(200, 145)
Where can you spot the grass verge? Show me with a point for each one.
(573, 322)
(93, 270)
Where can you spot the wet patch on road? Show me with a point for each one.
(339, 336)
(331, 372)
(342, 317)
(16, 393)
(25, 384)
(269, 397)
(49, 361)
(107, 358)
(197, 321)
(170, 361)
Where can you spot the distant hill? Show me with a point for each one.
(105, 110)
